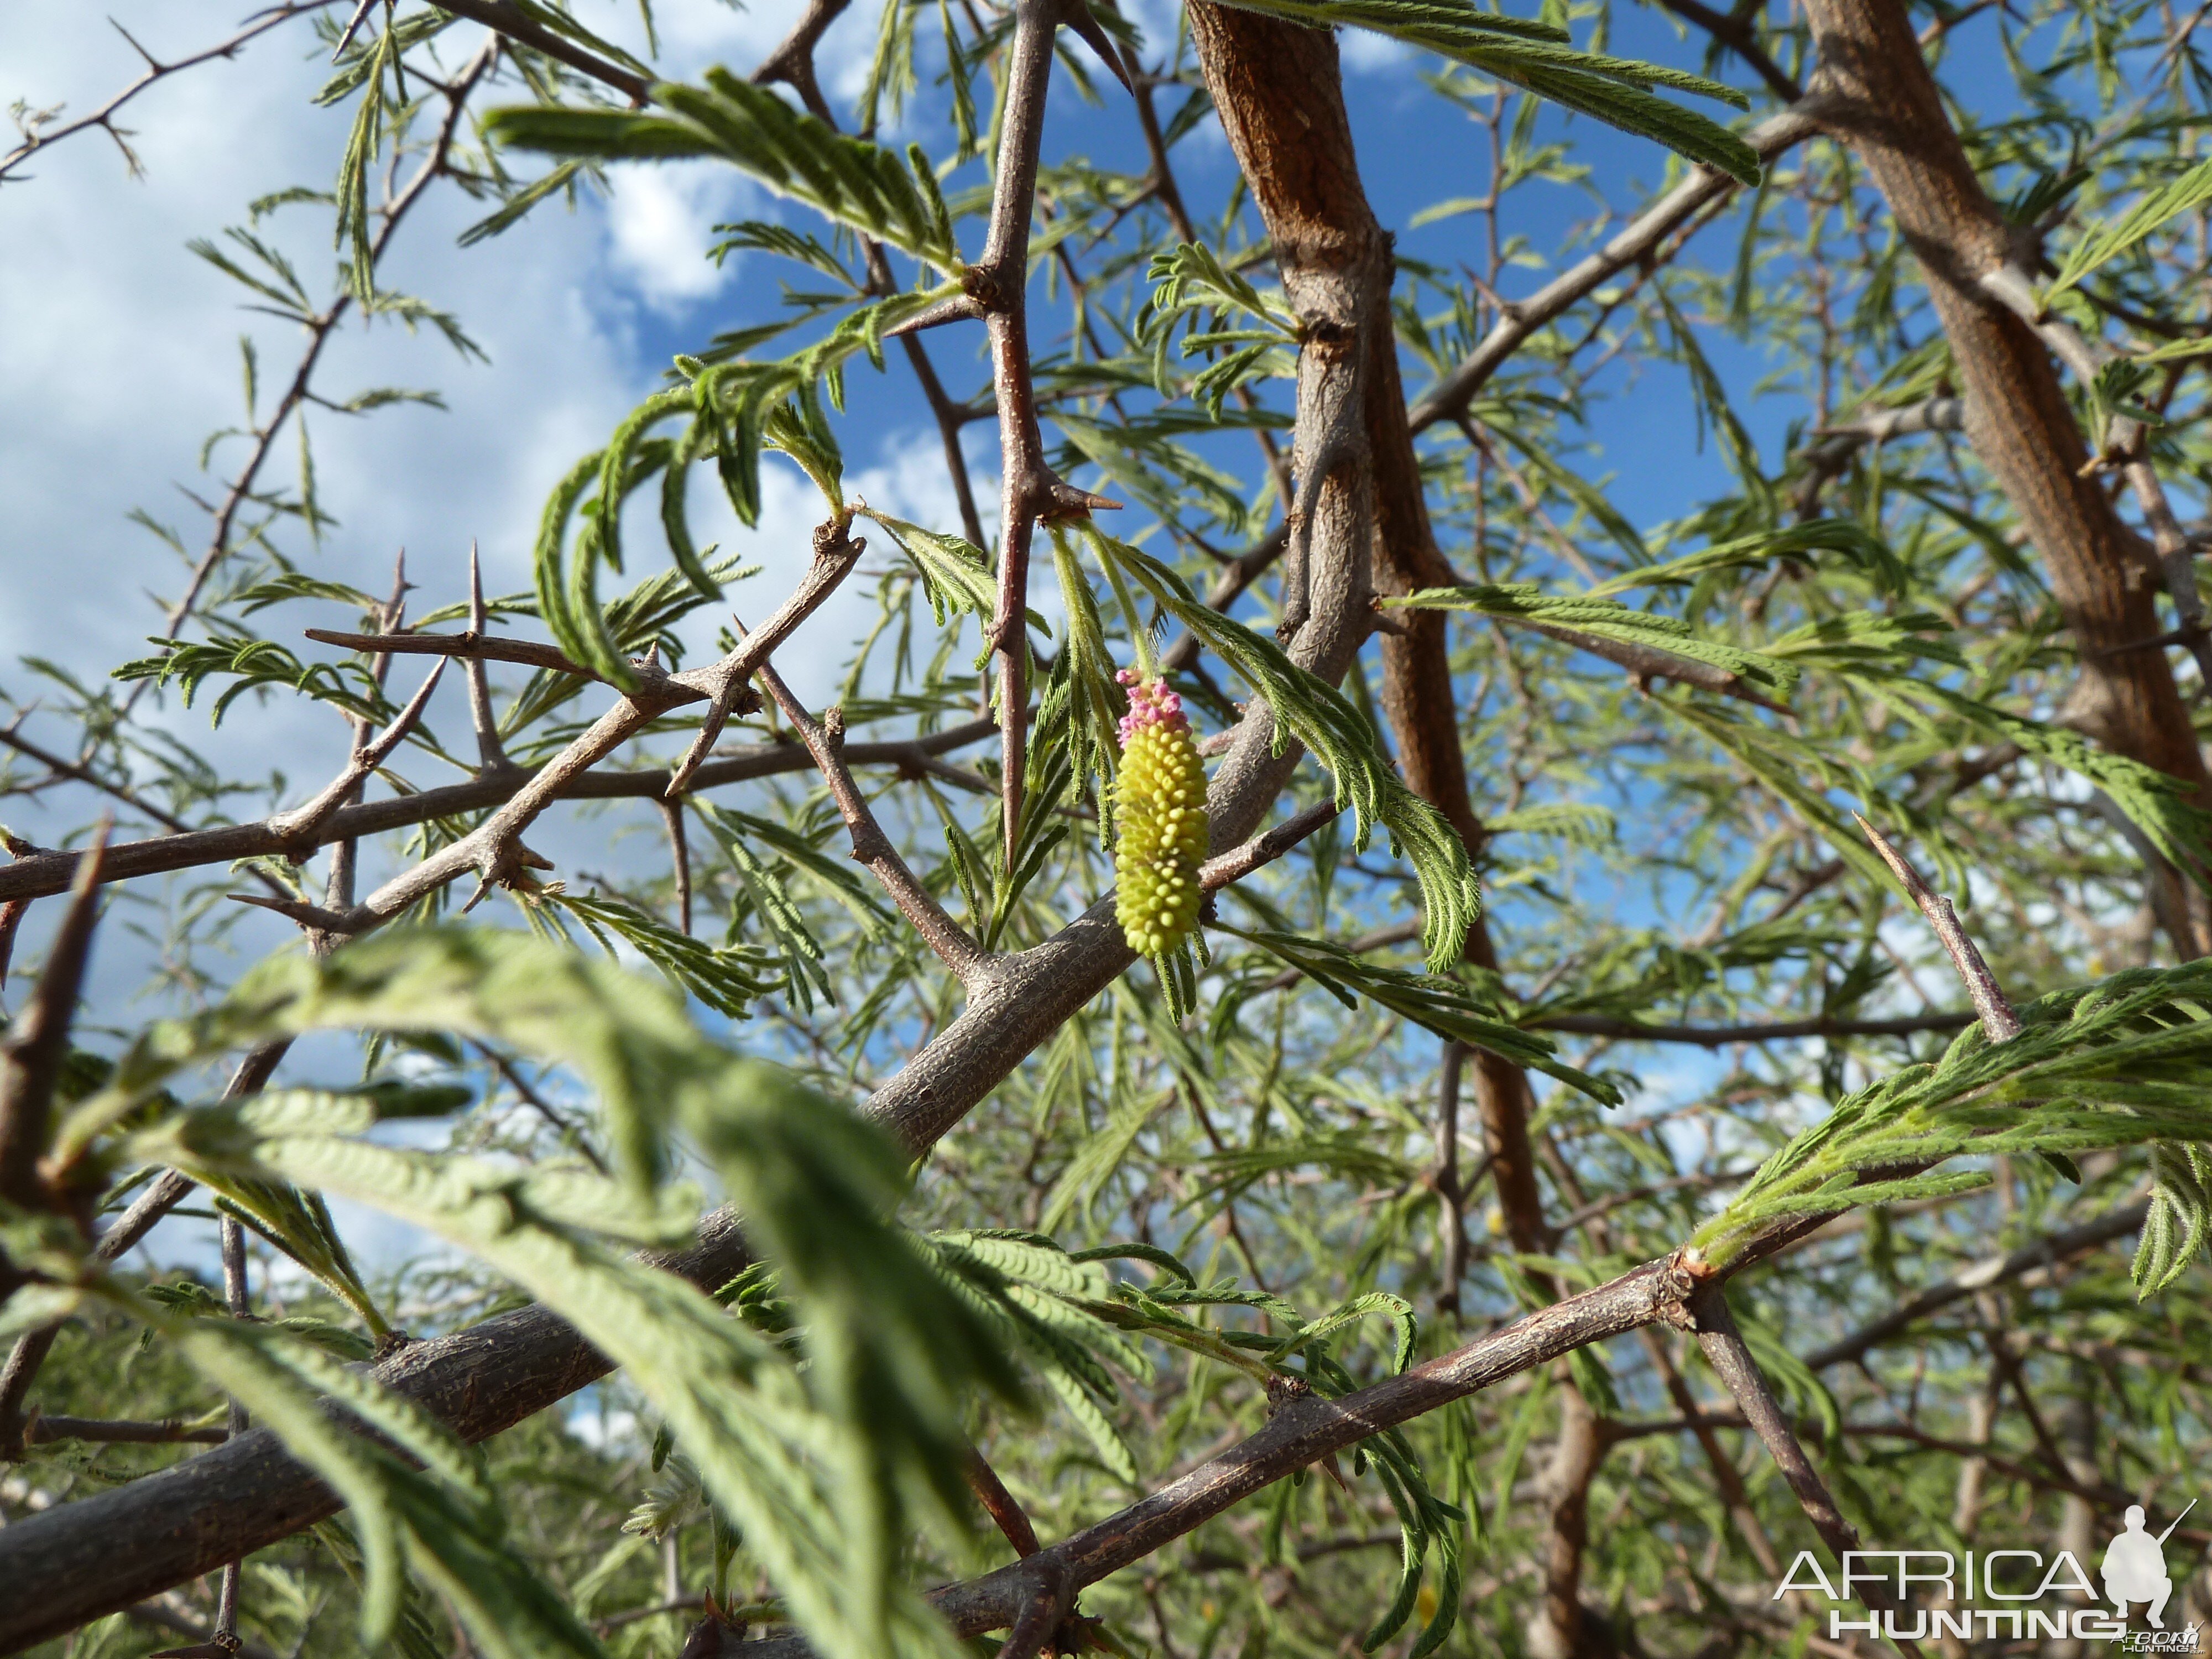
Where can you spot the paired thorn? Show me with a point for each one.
(490, 753)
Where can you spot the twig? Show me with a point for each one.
(968, 961)
(995, 287)
(793, 61)
(104, 117)
(1736, 33)
(1637, 240)
(837, 550)
(494, 849)
(320, 328)
(167, 1614)
(679, 856)
(538, 1103)
(1998, 1020)
(1722, 1036)
(304, 822)
(510, 20)
(1238, 574)
(168, 1432)
(234, 1296)
(64, 768)
(1723, 1347)
(1265, 847)
(36, 875)
(2123, 447)
(2029, 1258)
(1451, 1196)
(1005, 1512)
(37, 1043)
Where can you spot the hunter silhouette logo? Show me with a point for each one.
(2135, 1566)
(2005, 1594)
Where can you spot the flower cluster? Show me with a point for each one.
(1159, 803)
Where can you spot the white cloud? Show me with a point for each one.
(661, 223)
(1365, 52)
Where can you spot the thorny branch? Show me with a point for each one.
(968, 961)
(321, 327)
(34, 124)
(1636, 242)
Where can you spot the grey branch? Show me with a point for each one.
(1636, 242)
(42, 873)
(1723, 1345)
(968, 961)
(35, 140)
(1999, 1023)
(305, 821)
(2030, 1258)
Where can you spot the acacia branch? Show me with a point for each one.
(2033, 1257)
(1736, 32)
(368, 755)
(1889, 108)
(36, 138)
(1636, 242)
(2123, 447)
(1991, 1007)
(837, 550)
(39, 874)
(968, 961)
(1723, 1036)
(1723, 1345)
(169, 1431)
(320, 327)
(996, 289)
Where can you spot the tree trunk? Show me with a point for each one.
(2017, 416)
(1280, 94)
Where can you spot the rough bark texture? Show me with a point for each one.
(1280, 94)
(2016, 412)
(99, 1553)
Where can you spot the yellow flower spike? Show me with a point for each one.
(1160, 804)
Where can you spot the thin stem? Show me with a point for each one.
(824, 740)
(35, 875)
(104, 118)
(1999, 1022)
(1636, 241)
(320, 328)
(1723, 1347)
(1004, 1508)
(1451, 1197)
(233, 1294)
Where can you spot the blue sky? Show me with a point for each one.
(119, 348)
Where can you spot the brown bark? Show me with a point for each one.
(2017, 416)
(1279, 95)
